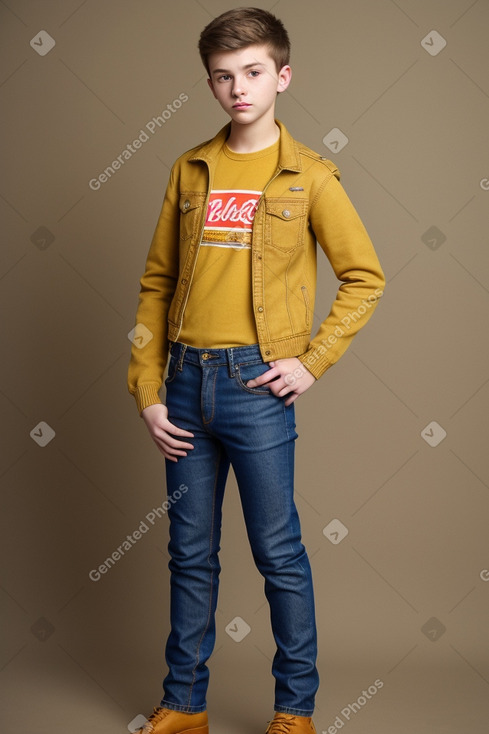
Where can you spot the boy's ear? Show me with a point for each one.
(284, 77)
(211, 85)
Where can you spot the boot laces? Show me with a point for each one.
(157, 715)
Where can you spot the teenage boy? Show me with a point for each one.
(229, 290)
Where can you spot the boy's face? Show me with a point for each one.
(246, 82)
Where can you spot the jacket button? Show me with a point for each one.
(267, 353)
(186, 204)
(286, 213)
(260, 309)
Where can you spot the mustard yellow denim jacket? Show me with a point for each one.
(303, 203)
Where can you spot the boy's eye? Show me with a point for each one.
(226, 77)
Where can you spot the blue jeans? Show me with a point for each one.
(253, 430)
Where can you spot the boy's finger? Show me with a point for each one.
(178, 431)
(176, 443)
(174, 452)
(292, 398)
(271, 374)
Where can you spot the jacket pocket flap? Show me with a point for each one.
(286, 209)
(188, 202)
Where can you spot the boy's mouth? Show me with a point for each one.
(240, 105)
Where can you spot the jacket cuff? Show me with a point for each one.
(316, 361)
(145, 395)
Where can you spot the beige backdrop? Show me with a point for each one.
(393, 440)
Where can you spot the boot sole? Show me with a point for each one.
(199, 730)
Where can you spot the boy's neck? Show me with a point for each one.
(256, 136)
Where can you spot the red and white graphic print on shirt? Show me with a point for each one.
(229, 218)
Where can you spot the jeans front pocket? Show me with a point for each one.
(172, 370)
(248, 371)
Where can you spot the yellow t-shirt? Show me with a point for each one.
(219, 310)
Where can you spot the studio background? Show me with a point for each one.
(393, 439)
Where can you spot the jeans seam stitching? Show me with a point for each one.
(211, 584)
(206, 421)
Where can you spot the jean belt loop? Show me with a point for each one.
(183, 349)
(230, 356)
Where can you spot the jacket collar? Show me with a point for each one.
(289, 158)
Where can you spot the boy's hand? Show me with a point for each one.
(285, 377)
(163, 432)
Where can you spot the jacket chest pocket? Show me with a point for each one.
(190, 206)
(285, 222)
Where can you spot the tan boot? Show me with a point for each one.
(289, 724)
(167, 721)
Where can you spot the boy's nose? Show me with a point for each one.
(238, 88)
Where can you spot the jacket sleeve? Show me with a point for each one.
(149, 351)
(344, 239)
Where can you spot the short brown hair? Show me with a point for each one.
(241, 27)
